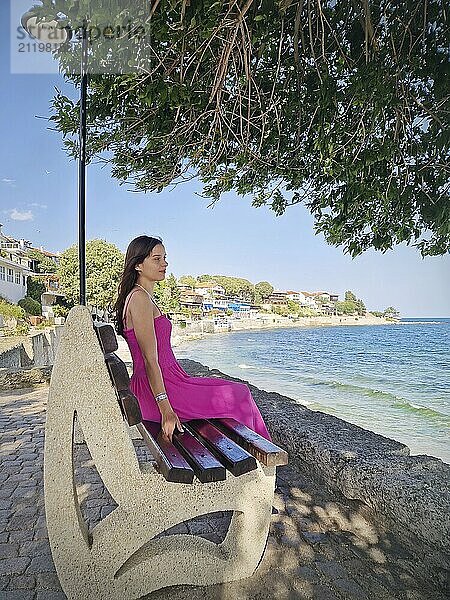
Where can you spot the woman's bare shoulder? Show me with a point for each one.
(138, 306)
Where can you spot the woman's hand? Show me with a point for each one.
(170, 420)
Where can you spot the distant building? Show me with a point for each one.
(324, 296)
(55, 257)
(191, 300)
(215, 303)
(310, 301)
(239, 308)
(296, 297)
(209, 290)
(278, 298)
(184, 288)
(15, 267)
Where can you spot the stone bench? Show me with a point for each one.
(125, 555)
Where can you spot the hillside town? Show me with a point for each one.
(209, 297)
(29, 278)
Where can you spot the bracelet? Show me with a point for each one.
(160, 397)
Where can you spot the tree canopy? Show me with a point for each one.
(168, 295)
(44, 263)
(340, 105)
(233, 286)
(351, 304)
(263, 289)
(189, 280)
(104, 265)
(35, 288)
(391, 313)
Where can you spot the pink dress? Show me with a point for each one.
(190, 397)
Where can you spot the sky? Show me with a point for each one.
(38, 202)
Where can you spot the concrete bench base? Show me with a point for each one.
(121, 558)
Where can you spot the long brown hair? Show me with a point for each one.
(138, 249)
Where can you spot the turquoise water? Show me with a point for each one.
(391, 379)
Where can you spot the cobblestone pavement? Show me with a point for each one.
(320, 547)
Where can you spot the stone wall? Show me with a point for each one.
(38, 350)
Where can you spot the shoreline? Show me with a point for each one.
(334, 392)
(361, 464)
(193, 331)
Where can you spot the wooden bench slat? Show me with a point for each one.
(170, 461)
(107, 337)
(130, 407)
(204, 464)
(237, 460)
(118, 371)
(128, 402)
(258, 446)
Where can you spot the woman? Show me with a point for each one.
(165, 392)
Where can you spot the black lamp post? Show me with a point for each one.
(51, 32)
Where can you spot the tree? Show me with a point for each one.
(35, 288)
(264, 289)
(167, 294)
(30, 306)
(293, 307)
(360, 307)
(391, 313)
(348, 307)
(281, 310)
(358, 304)
(340, 105)
(188, 280)
(44, 263)
(104, 265)
(205, 279)
(235, 286)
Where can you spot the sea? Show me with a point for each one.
(392, 379)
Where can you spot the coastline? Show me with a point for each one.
(409, 491)
(199, 329)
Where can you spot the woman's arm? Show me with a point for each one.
(144, 328)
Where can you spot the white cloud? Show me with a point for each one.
(17, 215)
(37, 205)
(9, 181)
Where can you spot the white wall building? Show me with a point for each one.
(309, 301)
(14, 267)
(209, 290)
(296, 297)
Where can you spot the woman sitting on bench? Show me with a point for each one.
(166, 393)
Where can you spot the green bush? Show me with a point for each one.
(9, 310)
(30, 306)
(22, 329)
(280, 309)
(35, 288)
(307, 312)
(60, 311)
